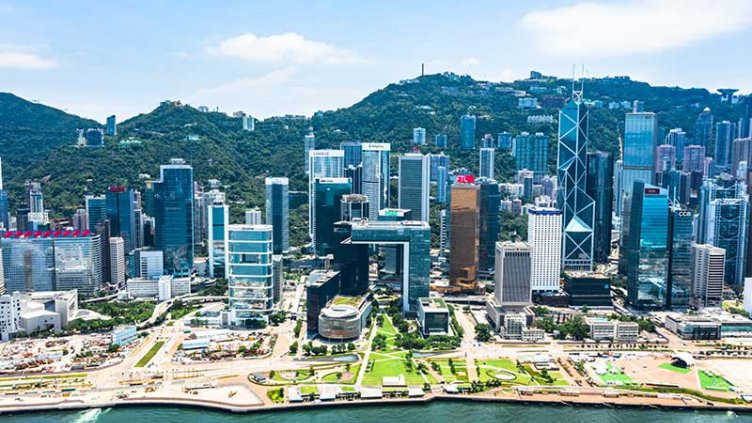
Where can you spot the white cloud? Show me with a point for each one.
(627, 27)
(287, 47)
(25, 61)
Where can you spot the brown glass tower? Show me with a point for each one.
(465, 219)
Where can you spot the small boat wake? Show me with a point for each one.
(89, 416)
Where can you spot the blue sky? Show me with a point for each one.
(95, 58)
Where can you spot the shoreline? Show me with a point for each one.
(218, 406)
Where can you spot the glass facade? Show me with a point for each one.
(703, 128)
(640, 142)
(96, 210)
(680, 286)
(328, 194)
(324, 164)
(120, 206)
(600, 187)
(375, 183)
(531, 153)
(353, 153)
(278, 212)
(648, 249)
(577, 207)
(173, 217)
(725, 133)
(218, 218)
(249, 271)
(52, 261)
(415, 238)
(467, 132)
(490, 200)
(414, 185)
(465, 240)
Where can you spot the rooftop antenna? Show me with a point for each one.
(422, 69)
(576, 94)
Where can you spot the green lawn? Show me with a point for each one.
(309, 389)
(617, 378)
(445, 370)
(677, 369)
(276, 395)
(332, 377)
(150, 354)
(300, 375)
(712, 382)
(488, 369)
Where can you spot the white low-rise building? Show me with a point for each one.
(124, 335)
(613, 330)
(162, 288)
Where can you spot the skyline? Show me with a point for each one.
(297, 59)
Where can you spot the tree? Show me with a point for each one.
(294, 348)
(576, 327)
(483, 332)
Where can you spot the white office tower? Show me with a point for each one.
(375, 181)
(253, 217)
(414, 185)
(309, 144)
(249, 272)
(249, 123)
(117, 261)
(10, 315)
(748, 295)
(324, 164)
(487, 162)
(150, 264)
(708, 271)
(544, 239)
(164, 288)
(419, 136)
(512, 278)
(218, 217)
(444, 233)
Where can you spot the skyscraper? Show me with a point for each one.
(120, 205)
(512, 279)
(648, 248)
(323, 164)
(704, 128)
(353, 153)
(504, 141)
(665, 158)
(464, 238)
(489, 223)
(578, 208)
(694, 159)
(442, 184)
(253, 217)
(218, 217)
(376, 177)
(419, 136)
(117, 262)
(741, 151)
(278, 212)
(437, 160)
(354, 207)
(467, 132)
(680, 237)
(599, 186)
(724, 222)
(173, 216)
(678, 139)
(487, 162)
(414, 185)
(531, 153)
(441, 140)
(355, 173)
(249, 272)
(544, 240)
(640, 142)
(707, 275)
(111, 126)
(309, 144)
(725, 133)
(328, 193)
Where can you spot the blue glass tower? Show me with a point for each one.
(467, 132)
(490, 200)
(600, 187)
(173, 216)
(725, 133)
(328, 194)
(353, 153)
(577, 207)
(120, 206)
(531, 153)
(680, 263)
(278, 212)
(640, 142)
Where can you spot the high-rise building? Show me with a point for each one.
(441, 140)
(249, 272)
(444, 232)
(173, 216)
(512, 278)
(467, 132)
(248, 123)
(489, 224)
(111, 126)
(351, 260)
(504, 141)
(678, 139)
(309, 144)
(648, 247)
(640, 142)
(531, 153)
(707, 275)
(323, 164)
(253, 217)
(80, 220)
(375, 184)
(665, 158)
(278, 212)
(464, 238)
(599, 187)
(704, 128)
(96, 210)
(694, 159)
(52, 261)
(724, 222)
(681, 235)
(355, 173)
(578, 208)
(354, 207)
(117, 262)
(487, 163)
(725, 133)
(149, 264)
(442, 184)
(218, 216)
(437, 160)
(544, 241)
(413, 186)
(120, 205)
(414, 241)
(328, 193)
(353, 153)
(741, 151)
(419, 136)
